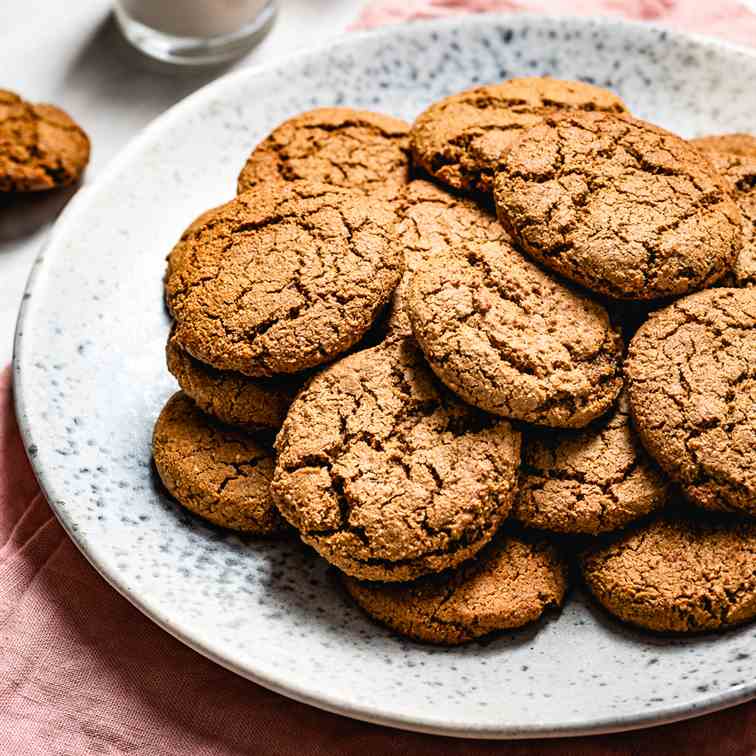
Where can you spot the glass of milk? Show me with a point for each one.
(194, 31)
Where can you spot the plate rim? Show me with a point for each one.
(325, 700)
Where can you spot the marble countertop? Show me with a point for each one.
(72, 54)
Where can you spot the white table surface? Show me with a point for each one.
(71, 54)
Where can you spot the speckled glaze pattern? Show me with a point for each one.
(90, 380)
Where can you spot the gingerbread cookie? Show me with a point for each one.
(461, 139)
(512, 340)
(592, 480)
(355, 149)
(511, 583)
(618, 205)
(233, 398)
(691, 373)
(678, 574)
(386, 474)
(217, 472)
(734, 156)
(41, 147)
(282, 278)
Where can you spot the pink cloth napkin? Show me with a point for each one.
(83, 672)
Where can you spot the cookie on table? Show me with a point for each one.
(232, 398)
(355, 149)
(619, 206)
(734, 156)
(461, 139)
(282, 278)
(512, 340)
(513, 582)
(677, 574)
(590, 481)
(691, 378)
(219, 473)
(386, 474)
(41, 147)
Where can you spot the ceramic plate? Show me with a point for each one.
(90, 380)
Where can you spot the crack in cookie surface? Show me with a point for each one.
(619, 206)
(283, 279)
(691, 372)
(386, 473)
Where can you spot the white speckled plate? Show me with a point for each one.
(90, 380)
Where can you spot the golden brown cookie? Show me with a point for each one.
(678, 574)
(618, 205)
(734, 156)
(461, 139)
(41, 147)
(591, 481)
(282, 278)
(510, 584)
(355, 149)
(386, 474)
(691, 371)
(233, 398)
(217, 472)
(512, 340)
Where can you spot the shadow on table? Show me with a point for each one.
(23, 214)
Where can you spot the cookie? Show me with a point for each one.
(743, 145)
(282, 278)
(355, 149)
(619, 206)
(511, 583)
(512, 340)
(41, 147)
(434, 221)
(386, 474)
(591, 481)
(217, 472)
(677, 574)
(691, 372)
(233, 398)
(461, 139)
(738, 166)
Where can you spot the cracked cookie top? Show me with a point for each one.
(461, 139)
(731, 157)
(691, 371)
(41, 147)
(677, 574)
(217, 472)
(592, 480)
(232, 398)
(619, 206)
(282, 278)
(511, 583)
(512, 340)
(387, 474)
(355, 149)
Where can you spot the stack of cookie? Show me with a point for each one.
(432, 320)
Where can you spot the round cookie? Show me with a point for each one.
(355, 149)
(512, 340)
(41, 147)
(461, 139)
(232, 398)
(217, 472)
(511, 583)
(590, 481)
(282, 278)
(618, 205)
(691, 377)
(386, 474)
(677, 574)
(738, 167)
